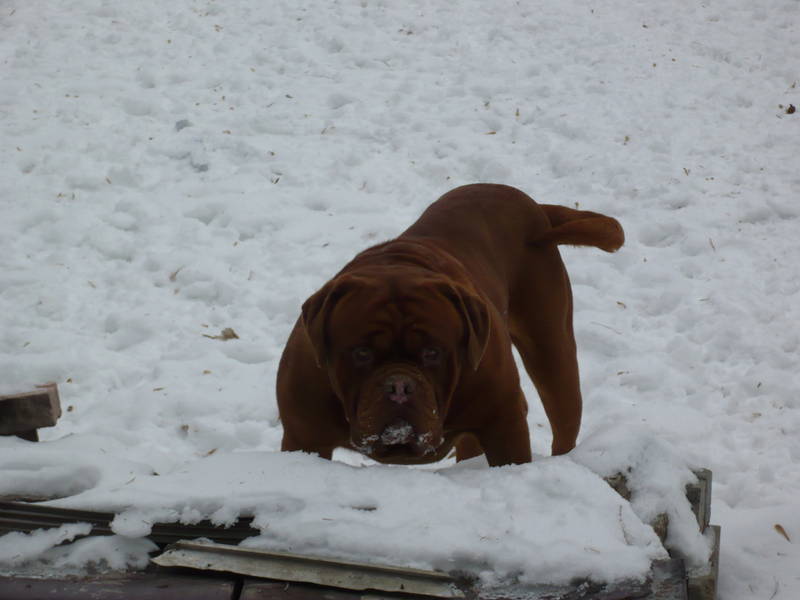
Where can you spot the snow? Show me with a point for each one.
(21, 553)
(655, 474)
(17, 548)
(168, 171)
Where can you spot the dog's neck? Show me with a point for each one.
(417, 252)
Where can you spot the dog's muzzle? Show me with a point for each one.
(398, 416)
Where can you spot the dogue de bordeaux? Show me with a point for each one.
(406, 352)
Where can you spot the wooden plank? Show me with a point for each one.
(669, 580)
(31, 435)
(140, 586)
(21, 414)
(703, 584)
(255, 589)
(699, 495)
(664, 582)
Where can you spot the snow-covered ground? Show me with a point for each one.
(169, 170)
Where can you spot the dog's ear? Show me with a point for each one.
(317, 309)
(475, 316)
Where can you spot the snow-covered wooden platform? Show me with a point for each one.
(223, 571)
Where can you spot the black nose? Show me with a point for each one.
(399, 388)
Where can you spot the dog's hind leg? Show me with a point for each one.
(554, 371)
(540, 320)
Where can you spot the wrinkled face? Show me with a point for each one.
(393, 350)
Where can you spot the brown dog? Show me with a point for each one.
(407, 351)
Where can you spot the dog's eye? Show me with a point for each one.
(362, 356)
(431, 357)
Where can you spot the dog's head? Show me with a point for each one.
(394, 347)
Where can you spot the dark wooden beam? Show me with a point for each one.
(22, 414)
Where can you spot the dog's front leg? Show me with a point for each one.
(506, 440)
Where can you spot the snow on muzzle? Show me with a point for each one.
(399, 437)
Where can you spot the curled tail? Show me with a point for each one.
(580, 228)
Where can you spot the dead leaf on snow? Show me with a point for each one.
(225, 335)
(779, 528)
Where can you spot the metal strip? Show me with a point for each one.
(307, 569)
(19, 516)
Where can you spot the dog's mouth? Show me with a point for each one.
(399, 439)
